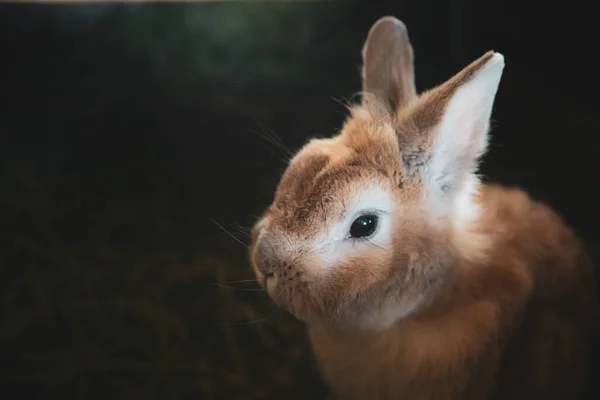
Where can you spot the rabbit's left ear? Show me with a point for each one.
(447, 129)
(388, 70)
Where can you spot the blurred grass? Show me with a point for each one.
(107, 323)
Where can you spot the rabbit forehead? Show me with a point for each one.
(322, 220)
(323, 182)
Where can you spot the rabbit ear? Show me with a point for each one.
(447, 130)
(388, 71)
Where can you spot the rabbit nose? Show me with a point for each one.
(265, 258)
(257, 229)
(269, 261)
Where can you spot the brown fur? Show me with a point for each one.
(537, 278)
(505, 306)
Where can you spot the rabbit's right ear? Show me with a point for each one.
(388, 66)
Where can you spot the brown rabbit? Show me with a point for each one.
(416, 281)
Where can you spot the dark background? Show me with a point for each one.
(128, 132)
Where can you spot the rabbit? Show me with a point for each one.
(416, 280)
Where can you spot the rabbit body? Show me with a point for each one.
(415, 280)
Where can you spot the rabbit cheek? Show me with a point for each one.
(351, 287)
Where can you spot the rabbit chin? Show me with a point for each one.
(362, 316)
(383, 318)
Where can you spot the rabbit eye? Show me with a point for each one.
(363, 226)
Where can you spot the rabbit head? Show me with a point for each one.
(365, 226)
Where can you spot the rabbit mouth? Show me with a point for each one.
(290, 296)
(269, 282)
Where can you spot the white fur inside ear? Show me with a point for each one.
(462, 135)
(335, 245)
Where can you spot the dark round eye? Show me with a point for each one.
(363, 226)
